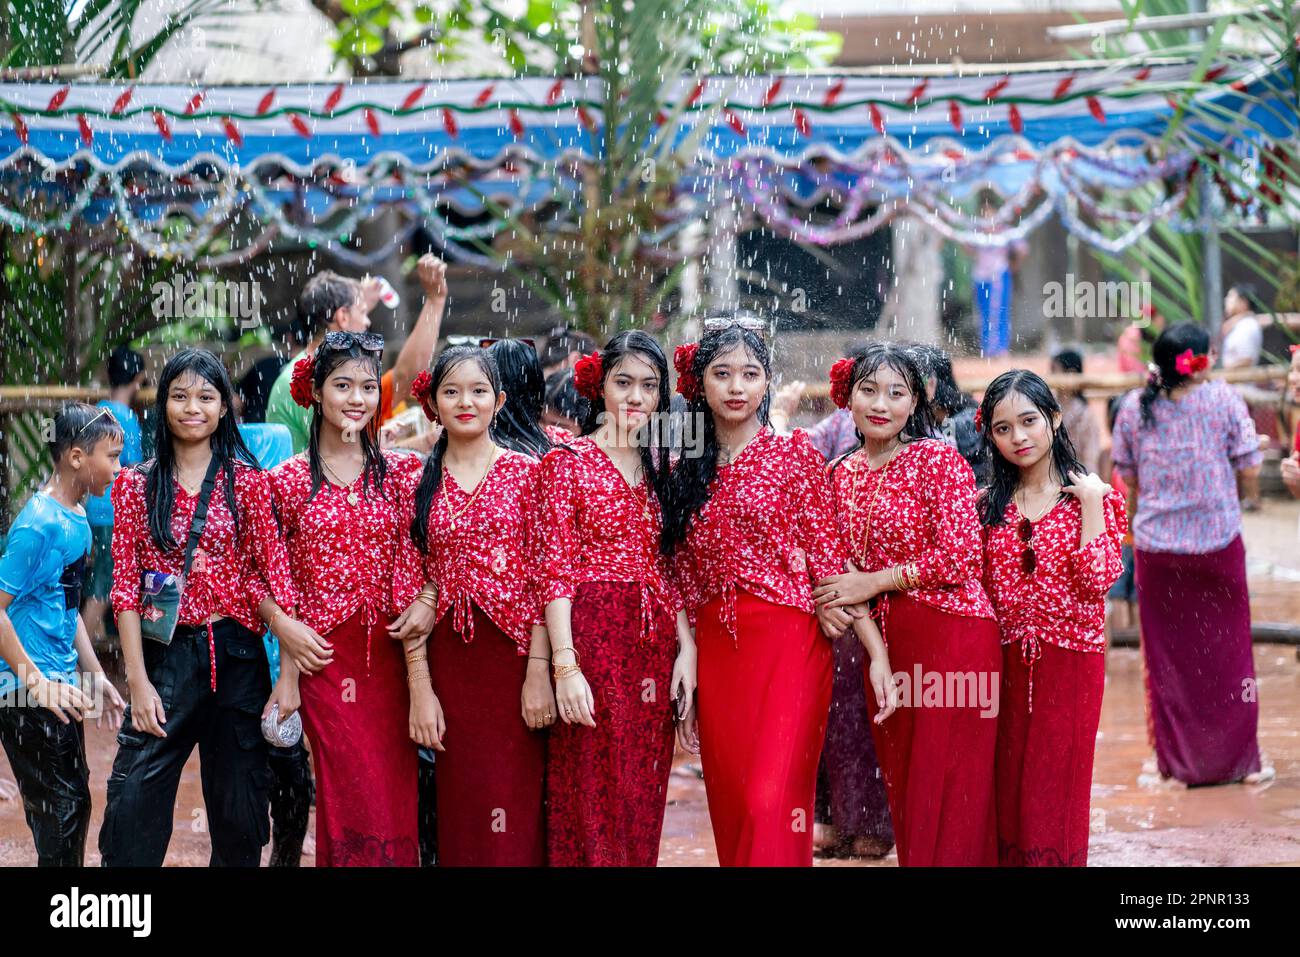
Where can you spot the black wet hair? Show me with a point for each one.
(1169, 345)
(431, 477)
(1004, 476)
(81, 426)
(1071, 360)
(227, 444)
(933, 361)
(562, 396)
(688, 487)
(518, 422)
(124, 364)
(374, 468)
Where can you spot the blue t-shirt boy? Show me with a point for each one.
(42, 567)
(99, 508)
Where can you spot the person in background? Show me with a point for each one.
(1080, 424)
(125, 380)
(563, 408)
(564, 347)
(254, 389)
(1244, 317)
(1243, 336)
(1178, 443)
(992, 268)
(45, 652)
(334, 303)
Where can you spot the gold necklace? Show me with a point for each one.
(1023, 505)
(453, 514)
(884, 470)
(353, 499)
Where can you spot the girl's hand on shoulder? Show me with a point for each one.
(1087, 486)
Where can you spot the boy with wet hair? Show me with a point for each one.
(49, 676)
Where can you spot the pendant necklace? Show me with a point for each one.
(353, 498)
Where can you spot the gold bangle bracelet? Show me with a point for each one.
(557, 651)
(564, 671)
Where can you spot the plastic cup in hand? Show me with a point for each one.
(387, 294)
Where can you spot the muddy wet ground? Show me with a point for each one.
(1134, 820)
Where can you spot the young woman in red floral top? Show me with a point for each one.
(906, 506)
(470, 540)
(623, 655)
(750, 529)
(209, 685)
(340, 505)
(1052, 539)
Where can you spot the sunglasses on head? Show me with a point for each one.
(745, 322)
(95, 418)
(1028, 560)
(365, 341)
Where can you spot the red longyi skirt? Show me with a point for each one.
(763, 703)
(358, 723)
(1044, 756)
(490, 778)
(938, 760)
(607, 786)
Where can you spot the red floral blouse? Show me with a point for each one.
(343, 555)
(231, 571)
(768, 527)
(595, 527)
(922, 511)
(1062, 602)
(483, 549)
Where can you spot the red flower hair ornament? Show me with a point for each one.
(842, 382)
(422, 389)
(979, 419)
(688, 383)
(1189, 363)
(587, 375)
(300, 385)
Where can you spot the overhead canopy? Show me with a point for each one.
(781, 142)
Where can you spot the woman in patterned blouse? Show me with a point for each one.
(208, 686)
(906, 505)
(1052, 539)
(471, 540)
(1180, 445)
(340, 505)
(750, 529)
(624, 657)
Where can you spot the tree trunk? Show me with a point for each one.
(911, 310)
